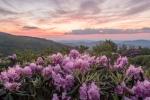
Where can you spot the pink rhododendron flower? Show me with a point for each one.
(89, 92)
(66, 82)
(56, 58)
(83, 65)
(121, 63)
(134, 71)
(119, 90)
(35, 68)
(55, 97)
(47, 72)
(39, 61)
(147, 98)
(74, 54)
(12, 86)
(27, 71)
(4, 76)
(12, 74)
(18, 69)
(142, 89)
(63, 97)
(57, 68)
(69, 66)
(103, 60)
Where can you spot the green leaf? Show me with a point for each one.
(8, 97)
(2, 92)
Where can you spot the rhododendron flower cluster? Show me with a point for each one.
(135, 72)
(58, 76)
(142, 89)
(103, 60)
(63, 97)
(77, 76)
(27, 71)
(119, 89)
(56, 58)
(89, 92)
(10, 78)
(74, 54)
(40, 61)
(121, 62)
(65, 82)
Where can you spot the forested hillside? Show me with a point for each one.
(10, 43)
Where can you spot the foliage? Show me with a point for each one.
(74, 76)
(9, 44)
(143, 60)
(106, 46)
(83, 48)
(145, 51)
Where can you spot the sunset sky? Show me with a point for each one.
(77, 19)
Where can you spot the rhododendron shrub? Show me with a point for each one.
(75, 76)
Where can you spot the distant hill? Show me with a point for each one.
(10, 43)
(91, 43)
(142, 43)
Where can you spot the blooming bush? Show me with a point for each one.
(75, 77)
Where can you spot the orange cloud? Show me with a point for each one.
(38, 33)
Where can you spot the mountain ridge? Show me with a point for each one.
(10, 43)
(91, 43)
